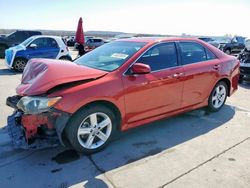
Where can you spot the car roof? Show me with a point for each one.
(157, 39)
(29, 31)
(46, 36)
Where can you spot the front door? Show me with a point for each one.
(45, 48)
(158, 92)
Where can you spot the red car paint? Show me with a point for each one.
(138, 98)
(40, 75)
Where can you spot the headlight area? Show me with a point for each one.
(35, 124)
(36, 105)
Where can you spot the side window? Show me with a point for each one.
(192, 52)
(50, 43)
(240, 40)
(210, 55)
(97, 40)
(160, 57)
(39, 42)
(20, 36)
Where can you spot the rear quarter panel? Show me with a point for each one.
(230, 70)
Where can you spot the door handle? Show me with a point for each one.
(216, 67)
(177, 75)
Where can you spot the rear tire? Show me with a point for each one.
(218, 96)
(228, 51)
(19, 64)
(91, 129)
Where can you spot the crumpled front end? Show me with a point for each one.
(35, 131)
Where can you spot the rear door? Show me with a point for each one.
(201, 70)
(158, 92)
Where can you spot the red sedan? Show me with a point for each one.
(118, 86)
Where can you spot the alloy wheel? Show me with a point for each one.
(19, 65)
(94, 130)
(219, 96)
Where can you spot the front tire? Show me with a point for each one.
(218, 97)
(19, 64)
(91, 129)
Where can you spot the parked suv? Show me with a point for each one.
(14, 39)
(231, 45)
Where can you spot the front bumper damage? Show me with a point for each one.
(29, 131)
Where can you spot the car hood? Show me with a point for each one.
(41, 75)
(3, 39)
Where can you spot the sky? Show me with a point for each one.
(175, 17)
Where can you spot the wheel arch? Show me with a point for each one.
(228, 82)
(108, 104)
(66, 57)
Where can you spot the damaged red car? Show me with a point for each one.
(118, 86)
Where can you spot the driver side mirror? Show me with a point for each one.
(140, 68)
(33, 46)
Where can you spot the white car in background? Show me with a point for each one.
(40, 46)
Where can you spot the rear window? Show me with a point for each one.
(97, 40)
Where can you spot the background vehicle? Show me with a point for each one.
(231, 45)
(71, 41)
(210, 41)
(14, 39)
(86, 38)
(118, 86)
(244, 58)
(40, 46)
(93, 43)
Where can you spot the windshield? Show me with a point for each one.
(110, 56)
(27, 41)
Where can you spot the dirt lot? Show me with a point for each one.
(190, 150)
